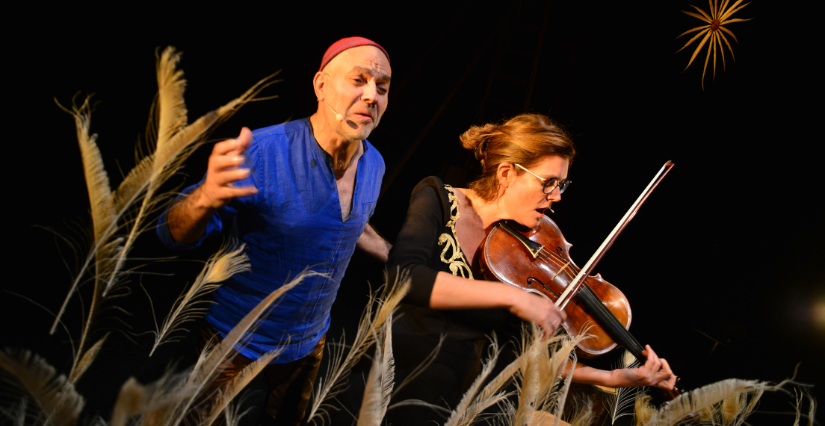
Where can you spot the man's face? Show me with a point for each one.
(357, 83)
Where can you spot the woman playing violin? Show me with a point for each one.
(525, 162)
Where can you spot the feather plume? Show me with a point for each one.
(380, 380)
(86, 360)
(708, 396)
(237, 384)
(530, 388)
(506, 415)
(155, 403)
(560, 397)
(642, 409)
(582, 412)
(553, 366)
(169, 156)
(543, 418)
(133, 184)
(176, 142)
(731, 408)
(387, 367)
(97, 181)
(171, 108)
(811, 410)
(130, 401)
(385, 300)
(31, 375)
(208, 365)
(470, 407)
(492, 394)
(540, 371)
(232, 414)
(17, 414)
(189, 306)
(619, 400)
(100, 195)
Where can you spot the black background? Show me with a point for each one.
(723, 266)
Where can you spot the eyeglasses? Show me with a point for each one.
(551, 184)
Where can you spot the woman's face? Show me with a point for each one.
(524, 199)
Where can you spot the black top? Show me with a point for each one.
(427, 237)
(426, 245)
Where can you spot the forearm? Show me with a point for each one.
(187, 219)
(593, 376)
(452, 292)
(374, 244)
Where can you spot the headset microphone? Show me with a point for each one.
(338, 117)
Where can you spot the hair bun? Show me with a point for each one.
(476, 138)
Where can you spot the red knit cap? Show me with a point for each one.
(348, 43)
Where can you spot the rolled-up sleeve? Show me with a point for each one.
(213, 227)
(415, 247)
(223, 215)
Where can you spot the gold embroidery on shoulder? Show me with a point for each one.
(456, 259)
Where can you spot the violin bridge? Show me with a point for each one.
(562, 269)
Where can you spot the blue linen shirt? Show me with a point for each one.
(294, 222)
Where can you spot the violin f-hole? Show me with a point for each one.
(529, 284)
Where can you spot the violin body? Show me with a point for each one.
(539, 261)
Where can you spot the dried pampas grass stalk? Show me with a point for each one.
(174, 399)
(470, 407)
(555, 370)
(191, 305)
(86, 360)
(155, 404)
(209, 363)
(17, 413)
(582, 413)
(727, 402)
(530, 380)
(229, 392)
(57, 401)
(380, 380)
(379, 308)
(644, 411)
(112, 212)
(619, 400)
(535, 362)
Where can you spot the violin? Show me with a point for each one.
(538, 261)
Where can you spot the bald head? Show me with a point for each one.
(369, 58)
(353, 85)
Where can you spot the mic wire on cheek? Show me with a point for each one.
(338, 117)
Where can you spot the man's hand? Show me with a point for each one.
(223, 171)
(187, 219)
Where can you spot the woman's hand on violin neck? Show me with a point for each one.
(537, 310)
(655, 372)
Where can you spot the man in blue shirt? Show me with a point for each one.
(298, 195)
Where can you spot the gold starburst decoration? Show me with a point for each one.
(719, 15)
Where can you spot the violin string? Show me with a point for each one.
(557, 261)
(595, 302)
